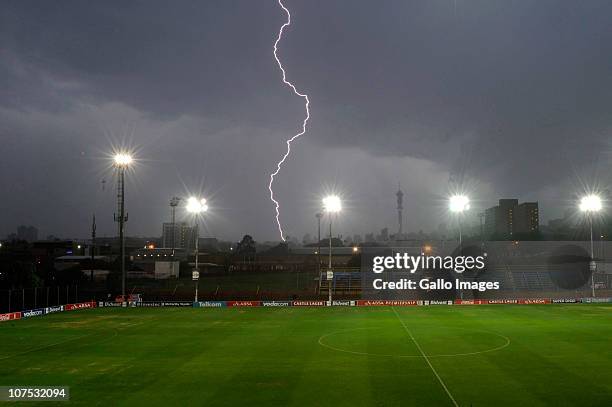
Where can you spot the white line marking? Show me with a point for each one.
(322, 342)
(426, 359)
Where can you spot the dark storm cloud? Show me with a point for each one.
(525, 78)
(515, 95)
(166, 58)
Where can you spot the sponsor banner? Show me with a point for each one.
(177, 304)
(565, 300)
(504, 301)
(524, 301)
(389, 303)
(10, 316)
(437, 302)
(50, 310)
(276, 303)
(529, 301)
(156, 304)
(498, 301)
(342, 303)
(148, 304)
(598, 300)
(243, 303)
(109, 304)
(209, 304)
(309, 303)
(476, 302)
(80, 305)
(33, 313)
(464, 302)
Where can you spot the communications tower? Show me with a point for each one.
(400, 207)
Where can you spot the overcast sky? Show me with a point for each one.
(506, 98)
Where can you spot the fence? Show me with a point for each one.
(516, 282)
(243, 285)
(29, 298)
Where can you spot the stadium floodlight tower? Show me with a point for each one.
(196, 206)
(174, 201)
(458, 204)
(122, 162)
(590, 205)
(332, 205)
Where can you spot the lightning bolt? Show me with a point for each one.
(289, 141)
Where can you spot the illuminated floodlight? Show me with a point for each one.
(590, 203)
(332, 204)
(196, 205)
(123, 159)
(459, 203)
(355, 249)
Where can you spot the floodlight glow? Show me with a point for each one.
(459, 203)
(122, 159)
(332, 204)
(590, 203)
(195, 205)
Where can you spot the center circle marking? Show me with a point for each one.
(322, 341)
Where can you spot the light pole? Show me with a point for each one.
(319, 215)
(331, 205)
(590, 205)
(196, 206)
(174, 201)
(122, 163)
(93, 246)
(459, 204)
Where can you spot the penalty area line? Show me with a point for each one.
(426, 359)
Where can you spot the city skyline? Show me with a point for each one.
(508, 220)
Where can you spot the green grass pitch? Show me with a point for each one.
(423, 356)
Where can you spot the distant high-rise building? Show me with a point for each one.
(27, 233)
(526, 218)
(184, 235)
(499, 220)
(509, 219)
